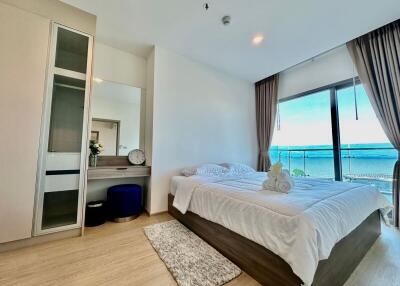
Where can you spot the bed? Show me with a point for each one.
(315, 235)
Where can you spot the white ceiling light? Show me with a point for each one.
(97, 80)
(257, 39)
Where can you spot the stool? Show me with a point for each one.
(95, 213)
(124, 202)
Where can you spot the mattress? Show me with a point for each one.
(302, 227)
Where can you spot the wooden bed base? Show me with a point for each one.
(270, 269)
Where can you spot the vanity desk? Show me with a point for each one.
(117, 129)
(114, 167)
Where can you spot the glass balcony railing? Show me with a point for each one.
(362, 165)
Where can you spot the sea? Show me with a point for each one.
(364, 163)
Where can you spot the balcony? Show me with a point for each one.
(365, 165)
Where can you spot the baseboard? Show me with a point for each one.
(12, 245)
(156, 213)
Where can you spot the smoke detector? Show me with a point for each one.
(226, 20)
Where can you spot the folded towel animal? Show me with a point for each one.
(272, 175)
(284, 183)
(284, 186)
(281, 182)
(283, 175)
(269, 184)
(276, 168)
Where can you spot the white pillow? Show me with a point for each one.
(208, 170)
(238, 169)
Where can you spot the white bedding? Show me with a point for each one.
(301, 227)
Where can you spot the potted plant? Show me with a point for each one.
(95, 149)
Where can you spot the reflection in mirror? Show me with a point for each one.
(116, 117)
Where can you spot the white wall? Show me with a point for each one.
(200, 115)
(326, 69)
(98, 188)
(118, 66)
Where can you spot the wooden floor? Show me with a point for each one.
(119, 254)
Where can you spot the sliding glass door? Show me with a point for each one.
(334, 133)
(303, 137)
(366, 154)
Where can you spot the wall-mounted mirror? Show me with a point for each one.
(116, 114)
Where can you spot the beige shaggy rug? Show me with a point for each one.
(190, 259)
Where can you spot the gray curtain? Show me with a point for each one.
(266, 105)
(377, 58)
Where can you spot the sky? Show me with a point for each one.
(307, 120)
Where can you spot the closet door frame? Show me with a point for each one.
(45, 130)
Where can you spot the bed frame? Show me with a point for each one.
(270, 269)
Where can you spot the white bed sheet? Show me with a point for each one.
(301, 227)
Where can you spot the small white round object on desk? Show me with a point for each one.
(136, 157)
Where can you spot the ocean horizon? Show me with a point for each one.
(376, 164)
(381, 150)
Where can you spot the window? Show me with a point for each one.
(303, 138)
(318, 135)
(366, 154)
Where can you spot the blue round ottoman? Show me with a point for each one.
(124, 202)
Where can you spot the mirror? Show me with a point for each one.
(116, 110)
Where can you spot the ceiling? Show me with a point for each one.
(294, 30)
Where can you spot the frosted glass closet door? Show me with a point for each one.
(66, 121)
(64, 154)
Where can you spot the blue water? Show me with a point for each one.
(356, 162)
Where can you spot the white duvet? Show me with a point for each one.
(301, 227)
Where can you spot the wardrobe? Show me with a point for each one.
(45, 87)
